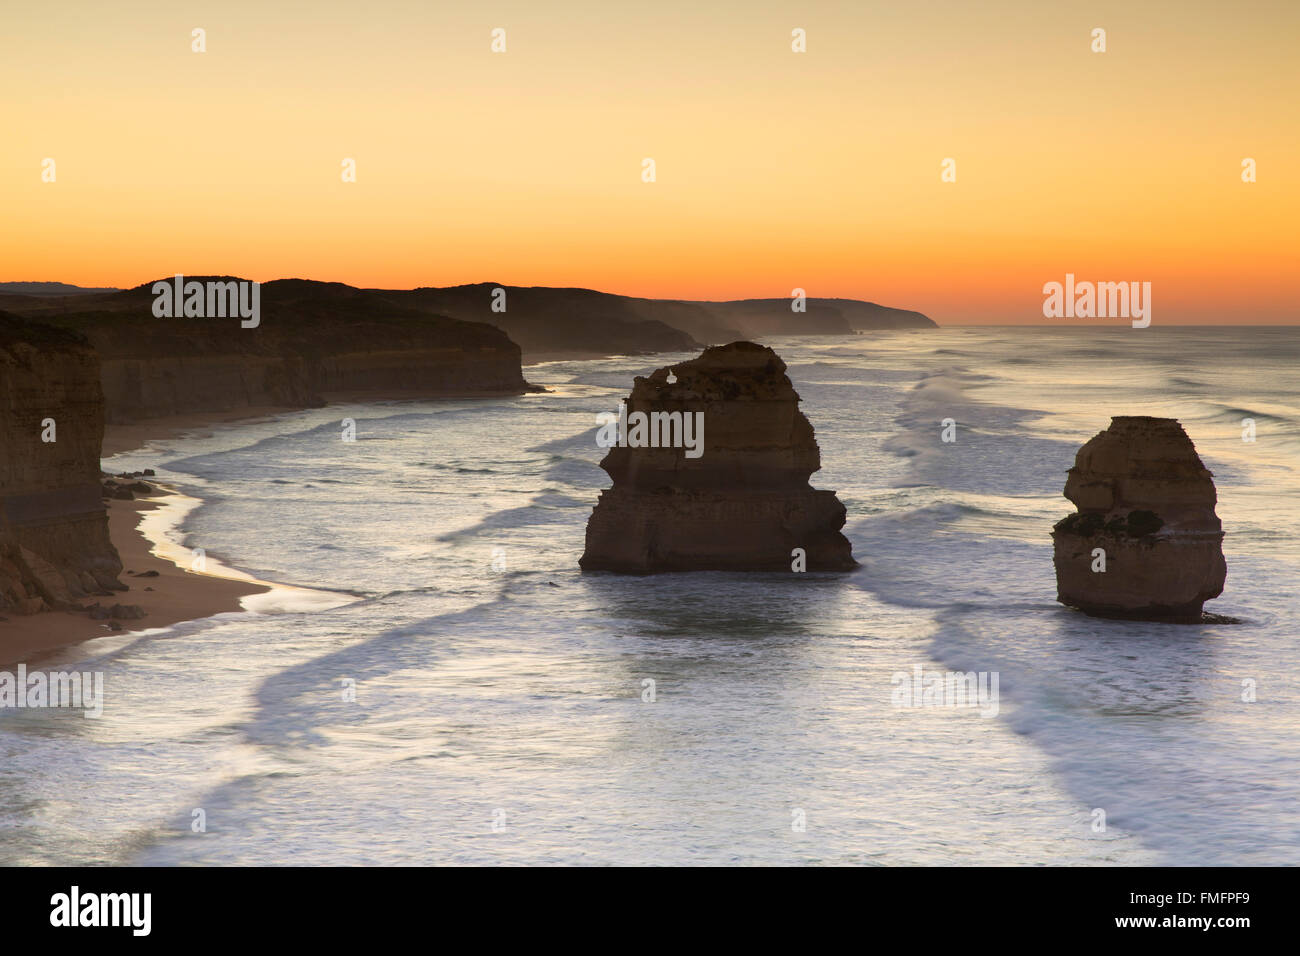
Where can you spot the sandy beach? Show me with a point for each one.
(168, 592)
(155, 569)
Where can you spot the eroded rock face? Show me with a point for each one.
(744, 504)
(315, 342)
(54, 544)
(1147, 502)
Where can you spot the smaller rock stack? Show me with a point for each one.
(1146, 501)
(744, 503)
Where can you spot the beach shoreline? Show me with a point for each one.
(155, 567)
(169, 592)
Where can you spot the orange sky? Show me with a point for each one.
(775, 169)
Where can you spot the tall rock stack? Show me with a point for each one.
(54, 544)
(1146, 501)
(744, 504)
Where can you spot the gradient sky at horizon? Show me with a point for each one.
(775, 170)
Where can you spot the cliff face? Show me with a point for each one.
(869, 315)
(315, 341)
(1146, 500)
(744, 503)
(538, 319)
(758, 317)
(543, 319)
(54, 544)
(581, 320)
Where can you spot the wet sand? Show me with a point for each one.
(177, 594)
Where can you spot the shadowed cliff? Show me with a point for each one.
(543, 319)
(580, 320)
(315, 341)
(54, 544)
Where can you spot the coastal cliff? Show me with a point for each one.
(538, 319)
(314, 342)
(740, 499)
(1146, 541)
(54, 542)
(545, 319)
(758, 317)
(582, 320)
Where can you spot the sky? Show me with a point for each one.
(774, 170)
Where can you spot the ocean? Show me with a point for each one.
(442, 685)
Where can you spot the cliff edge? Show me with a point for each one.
(54, 544)
(313, 342)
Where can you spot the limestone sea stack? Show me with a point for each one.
(1146, 501)
(740, 501)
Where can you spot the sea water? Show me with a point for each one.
(452, 689)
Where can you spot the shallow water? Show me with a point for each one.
(499, 714)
